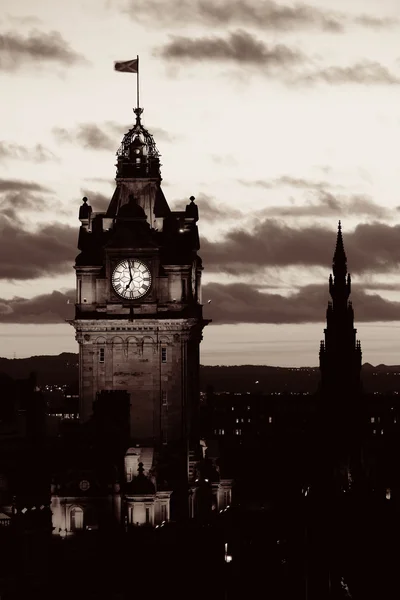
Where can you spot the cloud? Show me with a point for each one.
(238, 47)
(376, 22)
(319, 203)
(242, 48)
(18, 197)
(265, 14)
(17, 50)
(49, 250)
(87, 135)
(230, 304)
(36, 154)
(366, 72)
(287, 180)
(10, 185)
(326, 204)
(241, 303)
(107, 136)
(46, 308)
(370, 247)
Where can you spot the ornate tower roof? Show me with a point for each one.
(138, 155)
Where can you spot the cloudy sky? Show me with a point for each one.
(280, 118)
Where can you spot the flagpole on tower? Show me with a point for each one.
(137, 82)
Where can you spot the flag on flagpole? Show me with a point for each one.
(128, 66)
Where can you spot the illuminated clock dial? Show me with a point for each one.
(131, 279)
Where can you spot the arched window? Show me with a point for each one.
(76, 518)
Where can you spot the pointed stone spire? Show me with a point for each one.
(340, 283)
(339, 258)
(340, 356)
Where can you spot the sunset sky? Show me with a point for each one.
(280, 118)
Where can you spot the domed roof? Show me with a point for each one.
(140, 485)
(131, 210)
(138, 136)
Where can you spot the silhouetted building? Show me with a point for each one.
(139, 325)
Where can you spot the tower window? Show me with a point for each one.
(164, 398)
(147, 514)
(101, 355)
(163, 354)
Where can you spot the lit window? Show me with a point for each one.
(372, 419)
(269, 419)
(248, 408)
(101, 355)
(163, 354)
(233, 408)
(238, 431)
(374, 431)
(76, 518)
(164, 398)
(237, 420)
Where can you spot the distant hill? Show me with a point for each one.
(53, 370)
(63, 369)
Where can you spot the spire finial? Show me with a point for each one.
(138, 111)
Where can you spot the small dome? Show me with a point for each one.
(140, 484)
(138, 137)
(131, 210)
(138, 155)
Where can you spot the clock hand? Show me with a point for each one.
(130, 273)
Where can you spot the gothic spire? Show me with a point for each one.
(339, 257)
(340, 356)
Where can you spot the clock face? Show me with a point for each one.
(131, 279)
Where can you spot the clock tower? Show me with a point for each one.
(138, 317)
